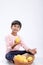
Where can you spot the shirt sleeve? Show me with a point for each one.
(24, 45)
(9, 42)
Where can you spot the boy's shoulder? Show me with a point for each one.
(8, 36)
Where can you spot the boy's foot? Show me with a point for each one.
(32, 51)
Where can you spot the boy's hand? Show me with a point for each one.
(13, 45)
(16, 42)
(34, 51)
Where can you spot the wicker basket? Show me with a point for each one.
(26, 63)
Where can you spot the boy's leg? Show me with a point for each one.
(9, 56)
(23, 52)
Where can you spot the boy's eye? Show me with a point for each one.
(17, 26)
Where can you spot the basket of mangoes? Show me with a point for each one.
(23, 60)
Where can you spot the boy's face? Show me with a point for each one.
(15, 28)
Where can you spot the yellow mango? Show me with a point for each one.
(20, 58)
(17, 40)
(30, 59)
(25, 60)
(23, 56)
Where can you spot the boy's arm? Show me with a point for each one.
(9, 43)
(24, 46)
(32, 51)
(14, 45)
(16, 42)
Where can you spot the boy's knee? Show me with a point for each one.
(8, 57)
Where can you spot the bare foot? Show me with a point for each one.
(34, 51)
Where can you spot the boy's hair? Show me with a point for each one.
(16, 22)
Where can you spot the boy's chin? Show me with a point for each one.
(15, 31)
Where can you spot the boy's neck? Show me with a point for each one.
(13, 33)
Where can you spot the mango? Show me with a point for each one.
(20, 58)
(29, 59)
(17, 40)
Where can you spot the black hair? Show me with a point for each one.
(16, 22)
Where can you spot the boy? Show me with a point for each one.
(13, 46)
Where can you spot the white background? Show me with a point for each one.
(30, 13)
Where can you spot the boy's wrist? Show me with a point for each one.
(13, 46)
(32, 51)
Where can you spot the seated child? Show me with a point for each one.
(13, 44)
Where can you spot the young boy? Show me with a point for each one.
(13, 46)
